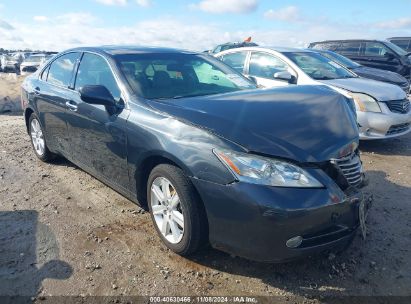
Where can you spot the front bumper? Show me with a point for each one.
(10, 66)
(255, 221)
(24, 69)
(383, 125)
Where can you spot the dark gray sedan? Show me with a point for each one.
(270, 175)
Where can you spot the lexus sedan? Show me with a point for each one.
(383, 109)
(214, 159)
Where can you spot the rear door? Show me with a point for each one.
(51, 95)
(262, 66)
(379, 56)
(97, 137)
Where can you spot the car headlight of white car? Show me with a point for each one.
(365, 103)
(265, 171)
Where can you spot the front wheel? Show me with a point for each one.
(176, 210)
(37, 139)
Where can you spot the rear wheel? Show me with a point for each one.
(37, 139)
(176, 210)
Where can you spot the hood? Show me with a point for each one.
(381, 91)
(28, 63)
(302, 123)
(380, 75)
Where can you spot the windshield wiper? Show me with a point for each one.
(191, 95)
(350, 76)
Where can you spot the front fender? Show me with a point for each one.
(151, 135)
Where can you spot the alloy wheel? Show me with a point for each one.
(167, 210)
(37, 137)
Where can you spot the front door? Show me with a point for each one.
(377, 55)
(263, 66)
(98, 137)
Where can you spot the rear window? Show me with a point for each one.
(61, 69)
(326, 46)
(235, 60)
(350, 48)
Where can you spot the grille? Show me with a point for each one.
(29, 69)
(396, 129)
(351, 168)
(399, 106)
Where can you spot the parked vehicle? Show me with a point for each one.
(367, 72)
(213, 158)
(232, 45)
(32, 63)
(378, 54)
(402, 42)
(10, 62)
(383, 110)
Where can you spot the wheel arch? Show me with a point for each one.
(27, 114)
(146, 165)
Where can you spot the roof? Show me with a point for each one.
(125, 49)
(282, 49)
(279, 49)
(345, 40)
(399, 38)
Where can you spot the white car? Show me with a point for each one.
(10, 62)
(383, 109)
(32, 63)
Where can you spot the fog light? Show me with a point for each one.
(294, 242)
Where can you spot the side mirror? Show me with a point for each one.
(97, 94)
(252, 78)
(285, 76)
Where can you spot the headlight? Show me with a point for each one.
(365, 103)
(264, 171)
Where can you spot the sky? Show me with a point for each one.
(195, 24)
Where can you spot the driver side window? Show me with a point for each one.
(376, 49)
(94, 70)
(265, 65)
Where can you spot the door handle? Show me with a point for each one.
(71, 106)
(36, 91)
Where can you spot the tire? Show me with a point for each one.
(43, 154)
(194, 233)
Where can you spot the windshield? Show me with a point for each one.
(396, 48)
(171, 75)
(318, 67)
(344, 61)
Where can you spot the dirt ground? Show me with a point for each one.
(62, 232)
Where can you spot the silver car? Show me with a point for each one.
(383, 110)
(33, 62)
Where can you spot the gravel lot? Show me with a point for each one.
(62, 232)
